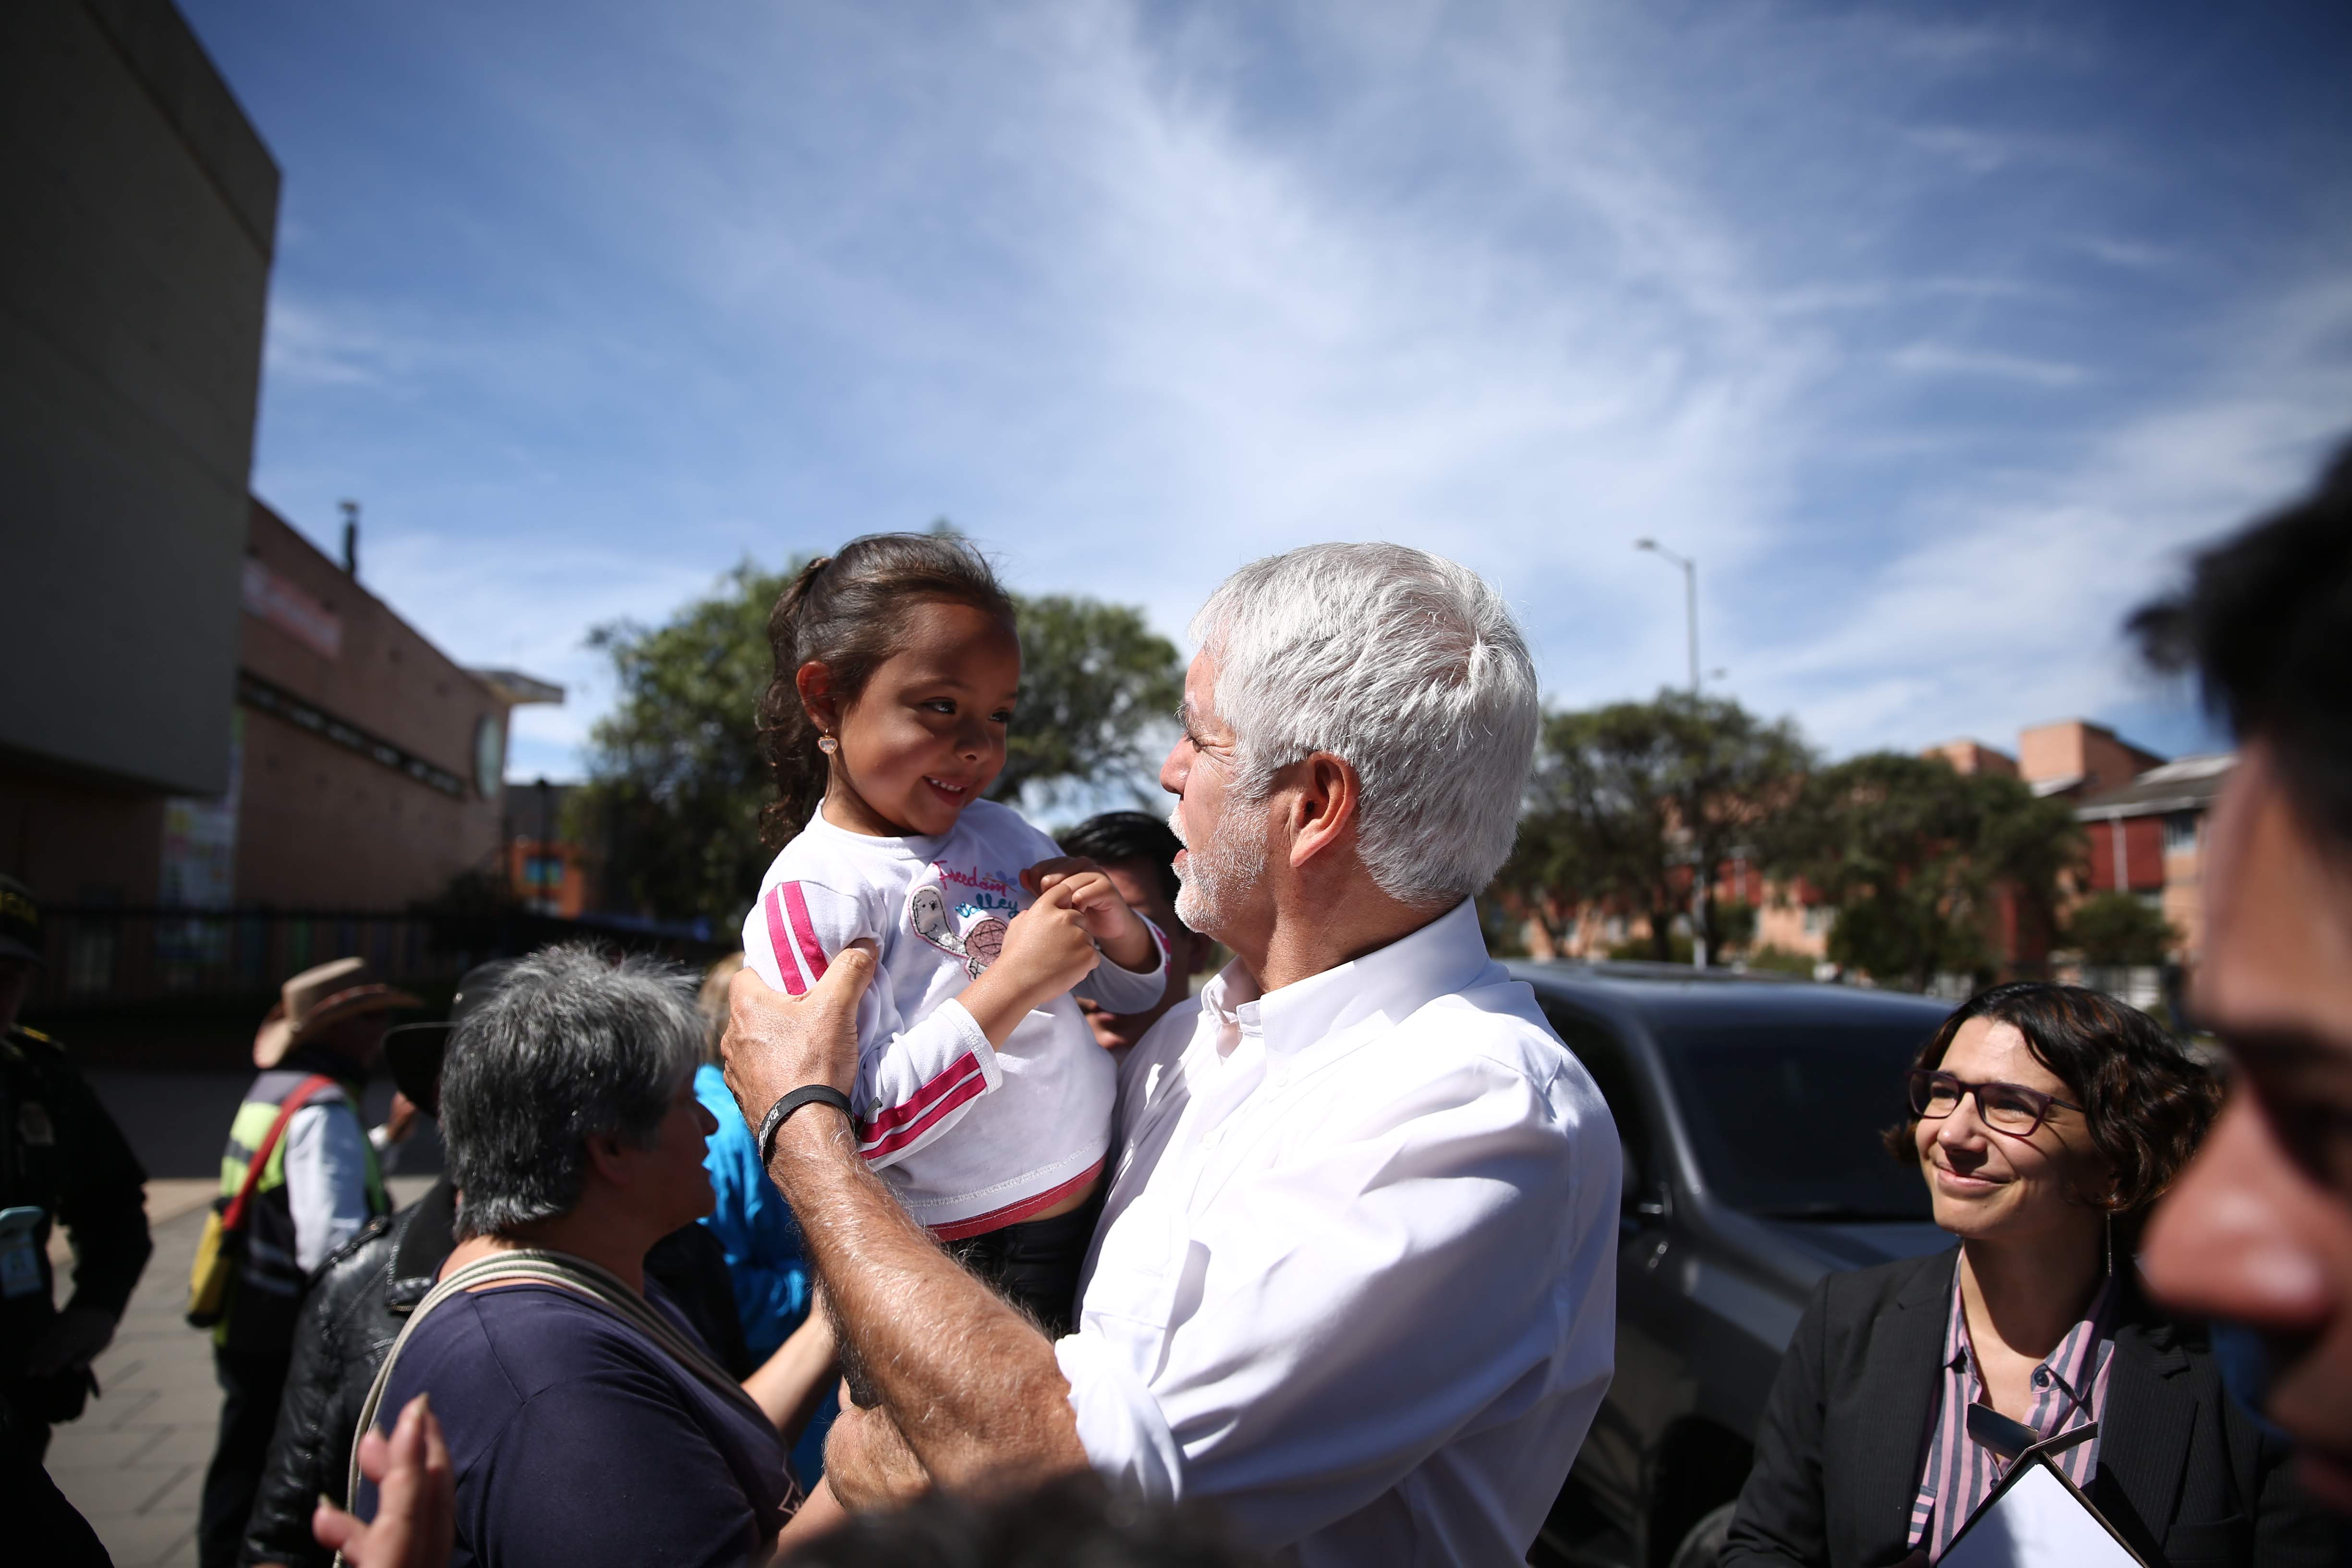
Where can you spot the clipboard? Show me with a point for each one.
(2036, 1517)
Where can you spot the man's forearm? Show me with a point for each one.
(972, 1385)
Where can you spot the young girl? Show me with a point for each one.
(981, 1095)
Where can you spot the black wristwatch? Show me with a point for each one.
(815, 1093)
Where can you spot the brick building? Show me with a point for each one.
(199, 708)
(2148, 839)
(2143, 819)
(546, 871)
(372, 765)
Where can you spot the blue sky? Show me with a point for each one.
(1935, 333)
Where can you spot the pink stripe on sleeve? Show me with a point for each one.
(774, 904)
(915, 1104)
(804, 930)
(974, 1083)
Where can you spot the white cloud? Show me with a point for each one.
(1948, 359)
(1135, 294)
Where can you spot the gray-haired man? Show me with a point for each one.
(1356, 1274)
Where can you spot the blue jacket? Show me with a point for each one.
(765, 1255)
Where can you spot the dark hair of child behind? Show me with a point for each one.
(1118, 837)
(848, 612)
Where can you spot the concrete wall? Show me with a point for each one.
(140, 211)
(322, 825)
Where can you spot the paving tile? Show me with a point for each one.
(134, 1464)
(82, 1446)
(185, 1493)
(114, 1491)
(174, 1407)
(116, 1407)
(150, 1540)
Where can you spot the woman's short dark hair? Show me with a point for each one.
(848, 612)
(2146, 1101)
(572, 1047)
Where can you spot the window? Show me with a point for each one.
(1787, 1117)
(1819, 919)
(1604, 1057)
(2180, 833)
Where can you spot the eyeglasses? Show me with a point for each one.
(2010, 1107)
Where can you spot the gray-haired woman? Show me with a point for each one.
(585, 1422)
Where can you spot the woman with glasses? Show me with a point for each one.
(2044, 1119)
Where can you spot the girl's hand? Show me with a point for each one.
(1100, 904)
(1047, 948)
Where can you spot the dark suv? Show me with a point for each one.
(1750, 1111)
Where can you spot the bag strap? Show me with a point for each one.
(565, 1271)
(232, 1217)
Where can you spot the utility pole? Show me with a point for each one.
(1690, 621)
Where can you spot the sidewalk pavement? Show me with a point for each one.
(134, 1463)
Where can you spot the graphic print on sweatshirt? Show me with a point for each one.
(967, 1134)
(963, 913)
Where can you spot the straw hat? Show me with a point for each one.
(318, 999)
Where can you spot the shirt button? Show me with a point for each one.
(2041, 1377)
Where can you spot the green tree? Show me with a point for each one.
(1626, 799)
(2117, 928)
(1095, 680)
(676, 778)
(676, 775)
(1915, 856)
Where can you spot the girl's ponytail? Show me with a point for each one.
(845, 610)
(785, 733)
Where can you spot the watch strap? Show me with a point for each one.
(813, 1094)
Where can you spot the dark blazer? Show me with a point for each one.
(2183, 1474)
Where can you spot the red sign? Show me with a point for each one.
(292, 611)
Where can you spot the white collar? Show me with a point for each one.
(1446, 955)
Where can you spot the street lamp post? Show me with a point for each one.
(1690, 598)
(1690, 620)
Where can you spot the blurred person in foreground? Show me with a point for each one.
(321, 1184)
(1138, 852)
(2258, 1233)
(766, 1258)
(1072, 1522)
(2045, 1119)
(1355, 1280)
(585, 1418)
(62, 1161)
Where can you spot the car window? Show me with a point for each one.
(1603, 1056)
(1786, 1120)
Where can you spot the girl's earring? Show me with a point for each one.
(828, 744)
(2111, 1244)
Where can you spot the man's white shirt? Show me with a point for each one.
(1356, 1276)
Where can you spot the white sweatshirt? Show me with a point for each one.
(1030, 1122)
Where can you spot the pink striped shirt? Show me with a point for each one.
(2070, 1386)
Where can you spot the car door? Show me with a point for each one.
(1609, 1471)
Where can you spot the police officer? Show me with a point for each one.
(62, 1160)
(321, 1183)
